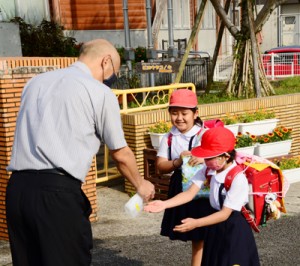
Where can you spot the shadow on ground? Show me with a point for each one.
(278, 244)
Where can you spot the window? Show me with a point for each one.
(181, 14)
(290, 20)
(209, 19)
(235, 14)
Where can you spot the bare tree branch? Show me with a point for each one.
(223, 15)
(266, 12)
(191, 41)
(212, 65)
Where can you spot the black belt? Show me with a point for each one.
(57, 171)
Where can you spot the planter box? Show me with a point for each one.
(247, 150)
(259, 127)
(292, 175)
(156, 139)
(234, 128)
(273, 149)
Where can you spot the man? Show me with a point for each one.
(64, 116)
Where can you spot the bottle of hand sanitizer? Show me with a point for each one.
(134, 205)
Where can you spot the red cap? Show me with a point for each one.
(183, 98)
(215, 141)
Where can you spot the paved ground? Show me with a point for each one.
(121, 240)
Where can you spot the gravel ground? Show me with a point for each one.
(278, 245)
(137, 241)
(121, 240)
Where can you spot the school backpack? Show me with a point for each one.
(267, 188)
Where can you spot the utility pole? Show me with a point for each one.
(128, 53)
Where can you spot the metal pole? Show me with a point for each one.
(17, 8)
(172, 52)
(170, 24)
(127, 34)
(150, 41)
(47, 10)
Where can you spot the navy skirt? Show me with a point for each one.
(230, 243)
(195, 209)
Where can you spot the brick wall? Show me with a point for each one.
(286, 108)
(14, 73)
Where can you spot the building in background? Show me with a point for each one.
(85, 20)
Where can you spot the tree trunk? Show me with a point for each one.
(191, 40)
(157, 21)
(248, 77)
(255, 51)
(212, 65)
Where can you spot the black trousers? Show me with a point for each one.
(48, 220)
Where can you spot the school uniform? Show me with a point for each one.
(197, 208)
(230, 242)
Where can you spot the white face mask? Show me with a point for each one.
(215, 163)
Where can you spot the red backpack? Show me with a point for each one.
(265, 179)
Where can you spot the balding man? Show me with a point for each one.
(64, 116)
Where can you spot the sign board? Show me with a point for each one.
(157, 67)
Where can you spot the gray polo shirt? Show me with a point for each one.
(64, 115)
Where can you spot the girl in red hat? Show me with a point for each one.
(230, 240)
(185, 134)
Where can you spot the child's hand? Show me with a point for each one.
(185, 153)
(155, 206)
(195, 161)
(188, 224)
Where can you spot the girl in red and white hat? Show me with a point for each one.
(185, 134)
(230, 240)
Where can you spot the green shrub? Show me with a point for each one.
(288, 163)
(46, 39)
(140, 54)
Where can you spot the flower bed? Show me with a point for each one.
(157, 131)
(290, 168)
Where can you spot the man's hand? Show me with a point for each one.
(146, 190)
(127, 166)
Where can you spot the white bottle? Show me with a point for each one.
(134, 205)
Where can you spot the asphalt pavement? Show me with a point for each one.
(122, 240)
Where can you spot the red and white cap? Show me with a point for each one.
(183, 98)
(215, 141)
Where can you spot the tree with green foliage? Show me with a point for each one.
(248, 78)
(46, 39)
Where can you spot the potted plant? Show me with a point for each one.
(290, 168)
(258, 123)
(232, 123)
(157, 131)
(276, 143)
(245, 143)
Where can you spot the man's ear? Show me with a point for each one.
(107, 59)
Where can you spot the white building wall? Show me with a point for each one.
(207, 41)
(116, 37)
(270, 32)
(32, 11)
